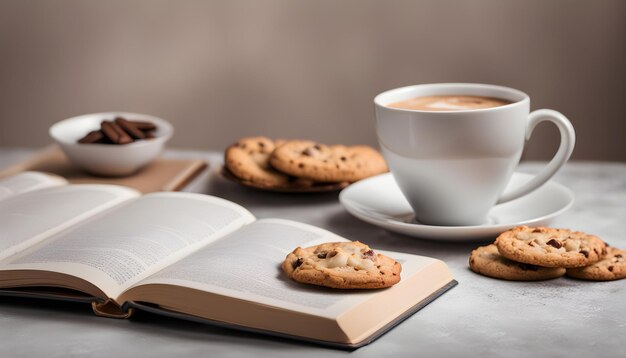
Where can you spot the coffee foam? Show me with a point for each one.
(449, 103)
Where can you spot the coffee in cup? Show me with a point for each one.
(449, 103)
(453, 164)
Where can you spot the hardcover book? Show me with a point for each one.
(191, 256)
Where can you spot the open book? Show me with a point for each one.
(191, 256)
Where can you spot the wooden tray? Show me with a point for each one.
(160, 175)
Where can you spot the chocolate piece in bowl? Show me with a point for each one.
(115, 133)
(92, 137)
(130, 128)
(120, 131)
(144, 125)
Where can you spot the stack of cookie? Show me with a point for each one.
(528, 254)
(299, 165)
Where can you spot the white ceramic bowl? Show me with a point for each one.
(109, 159)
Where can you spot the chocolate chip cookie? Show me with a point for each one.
(487, 261)
(248, 160)
(344, 265)
(549, 247)
(611, 267)
(323, 163)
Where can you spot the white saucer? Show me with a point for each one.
(379, 201)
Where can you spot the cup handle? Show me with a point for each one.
(568, 138)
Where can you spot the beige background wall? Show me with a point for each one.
(220, 70)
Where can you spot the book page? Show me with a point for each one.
(27, 181)
(124, 245)
(29, 218)
(246, 265)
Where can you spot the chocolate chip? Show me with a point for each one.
(322, 255)
(331, 254)
(611, 268)
(537, 230)
(554, 243)
(619, 256)
(317, 146)
(585, 252)
(527, 267)
(309, 152)
(531, 244)
(261, 144)
(298, 262)
(343, 159)
(300, 165)
(368, 254)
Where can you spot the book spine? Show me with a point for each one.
(111, 309)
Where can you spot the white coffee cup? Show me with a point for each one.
(452, 166)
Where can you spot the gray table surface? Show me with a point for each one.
(479, 317)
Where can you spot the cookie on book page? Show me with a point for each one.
(487, 261)
(248, 160)
(324, 163)
(611, 267)
(343, 265)
(548, 247)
